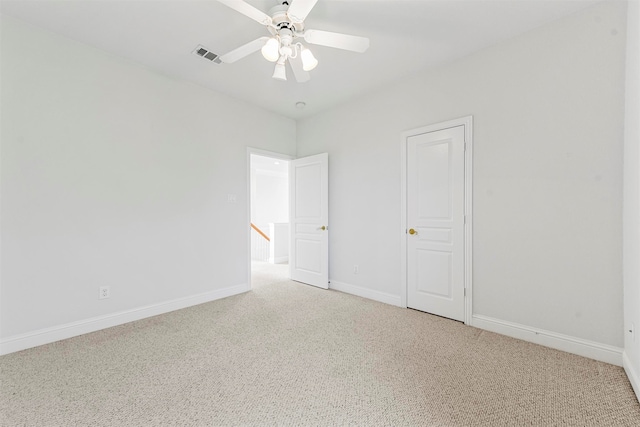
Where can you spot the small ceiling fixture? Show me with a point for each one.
(285, 23)
(300, 105)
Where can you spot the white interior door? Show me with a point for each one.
(435, 222)
(309, 200)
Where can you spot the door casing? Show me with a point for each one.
(467, 122)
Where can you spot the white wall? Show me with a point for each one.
(548, 111)
(279, 244)
(114, 175)
(631, 219)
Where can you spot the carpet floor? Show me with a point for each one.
(290, 354)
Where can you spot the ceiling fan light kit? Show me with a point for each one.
(280, 73)
(285, 23)
(271, 50)
(309, 62)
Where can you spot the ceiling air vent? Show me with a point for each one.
(207, 54)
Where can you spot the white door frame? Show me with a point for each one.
(467, 122)
(263, 153)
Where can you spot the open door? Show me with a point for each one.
(309, 213)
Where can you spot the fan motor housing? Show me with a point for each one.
(281, 20)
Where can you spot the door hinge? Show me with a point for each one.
(465, 292)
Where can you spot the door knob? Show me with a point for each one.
(323, 228)
(412, 231)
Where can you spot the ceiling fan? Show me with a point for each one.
(285, 23)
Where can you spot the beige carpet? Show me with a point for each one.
(290, 354)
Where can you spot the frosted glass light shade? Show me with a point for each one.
(280, 72)
(270, 50)
(309, 62)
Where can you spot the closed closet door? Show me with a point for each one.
(435, 222)
(309, 200)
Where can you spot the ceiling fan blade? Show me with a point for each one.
(299, 10)
(244, 50)
(300, 74)
(337, 40)
(248, 10)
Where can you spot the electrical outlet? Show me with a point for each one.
(105, 292)
(356, 269)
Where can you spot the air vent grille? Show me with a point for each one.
(207, 54)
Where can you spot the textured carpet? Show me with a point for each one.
(290, 354)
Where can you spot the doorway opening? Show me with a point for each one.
(269, 218)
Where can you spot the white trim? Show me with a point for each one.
(634, 378)
(365, 293)
(73, 329)
(263, 153)
(581, 347)
(279, 260)
(272, 154)
(468, 212)
(403, 221)
(467, 122)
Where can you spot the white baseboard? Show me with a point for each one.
(73, 329)
(634, 379)
(279, 259)
(579, 346)
(365, 293)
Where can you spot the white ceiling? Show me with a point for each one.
(407, 36)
